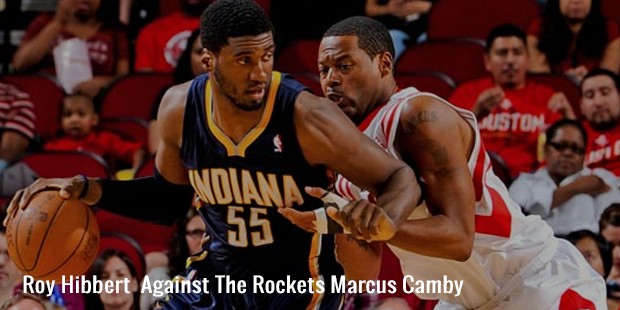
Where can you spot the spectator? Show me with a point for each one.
(573, 37)
(189, 65)
(115, 265)
(17, 127)
(600, 105)
(512, 111)
(11, 276)
(407, 20)
(609, 225)
(187, 241)
(25, 301)
(79, 121)
(161, 42)
(564, 193)
(91, 20)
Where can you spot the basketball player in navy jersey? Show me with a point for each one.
(467, 229)
(249, 141)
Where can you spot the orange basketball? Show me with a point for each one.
(53, 237)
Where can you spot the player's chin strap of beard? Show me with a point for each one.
(325, 224)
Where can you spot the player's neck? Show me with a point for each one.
(234, 122)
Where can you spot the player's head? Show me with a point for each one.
(600, 101)
(237, 37)
(355, 65)
(506, 56)
(115, 265)
(565, 148)
(78, 116)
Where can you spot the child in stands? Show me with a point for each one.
(79, 121)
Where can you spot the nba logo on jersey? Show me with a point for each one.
(277, 144)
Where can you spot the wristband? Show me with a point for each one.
(85, 187)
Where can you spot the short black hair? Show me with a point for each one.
(372, 36)
(225, 19)
(601, 243)
(552, 130)
(505, 30)
(600, 71)
(610, 217)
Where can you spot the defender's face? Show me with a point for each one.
(349, 78)
(600, 102)
(242, 70)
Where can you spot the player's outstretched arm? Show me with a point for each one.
(434, 140)
(162, 198)
(327, 137)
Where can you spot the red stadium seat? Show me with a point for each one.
(67, 164)
(126, 244)
(134, 95)
(461, 59)
(129, 128)
(299, 56)
(432, 82)
(475, 18)
(311, 80)
(146, 169)
(611, 10)
(46, 95)
(151, 237)
(561, 83)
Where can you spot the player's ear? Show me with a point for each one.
(386, 63)
(207, 59)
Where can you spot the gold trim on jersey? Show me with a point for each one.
(233, 149)
(313, 264)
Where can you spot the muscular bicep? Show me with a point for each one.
(329, 138)
(170, 129)
(436, 141)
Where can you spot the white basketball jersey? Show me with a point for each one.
(506, 241)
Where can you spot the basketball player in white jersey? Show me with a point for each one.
(467, 227)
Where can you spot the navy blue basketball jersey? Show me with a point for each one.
(242, 185)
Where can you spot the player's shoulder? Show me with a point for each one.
(174, 99)
(429, 109)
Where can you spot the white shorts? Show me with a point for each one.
(566, 282)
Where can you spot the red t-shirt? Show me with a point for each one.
(511, 130)
(105, 47)
(603, 148)
(105, 144)
(613, 32)
(161, 42)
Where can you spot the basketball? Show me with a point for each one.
(53, 237)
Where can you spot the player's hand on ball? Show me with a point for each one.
(68, 187)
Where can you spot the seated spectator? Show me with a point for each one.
(595, 250)
(79, 121)
(115, 265)
(189, 66)
(161, 42)
(17, 128)
(25, 301)
(10, 277)
(609, 226)
(407, 20)
(600, 105)
(512, 111)
(564, 193)
(187, 241)
(573, 37)
(107, 43)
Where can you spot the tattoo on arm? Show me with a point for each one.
(422, 117)
(361, 243)
(432, 147)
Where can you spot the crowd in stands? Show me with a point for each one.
(545, 93)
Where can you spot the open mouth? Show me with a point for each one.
(256, 93)
(334, 97)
